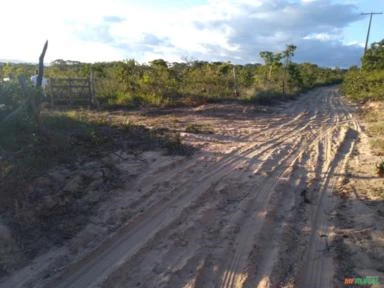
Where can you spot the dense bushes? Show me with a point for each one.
(364, 85)
(10, 97)
(367, 83)
(160, 83)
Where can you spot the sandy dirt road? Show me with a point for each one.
(255, 207)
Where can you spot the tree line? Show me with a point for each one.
(163, 83)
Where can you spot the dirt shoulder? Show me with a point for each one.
(360, 215)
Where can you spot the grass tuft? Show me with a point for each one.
(380, 168)
(198, 129)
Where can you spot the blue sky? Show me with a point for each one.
(327, 32)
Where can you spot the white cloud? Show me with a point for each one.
(322, 36)
(218, 30)
(356, 43)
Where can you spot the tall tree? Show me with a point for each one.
(272, 60)
(287, 55)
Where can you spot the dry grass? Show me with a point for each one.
(77, 137)
(374, 117)
(24, 154)
(378, 192)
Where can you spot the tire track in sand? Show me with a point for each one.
(100, 264)
(162, 214)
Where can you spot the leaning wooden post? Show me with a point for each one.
(38, 84)
(41, 65)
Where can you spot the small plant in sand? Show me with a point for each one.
(380, 168)
(198, 129)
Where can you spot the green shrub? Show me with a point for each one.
(364, 85)
(10, 97)
(367, 83)
(268, 97)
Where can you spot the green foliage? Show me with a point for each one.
(272, 60)
(130, 84)
(374, 57)
(295, 80)
(18, 133)
(67, 68)
(266, 97)
(289, 78)
(367, 84)
(10, 97)
(13, 70)
(364, 85)
(289, 68)
(289, 52)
